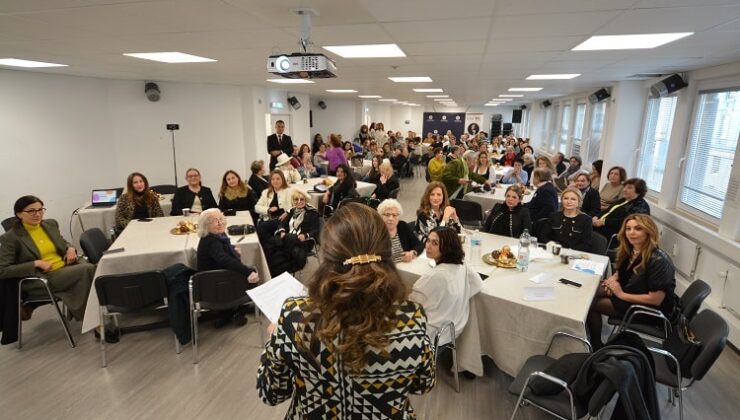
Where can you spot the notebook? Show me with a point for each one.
(104, 198)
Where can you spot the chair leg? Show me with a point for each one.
(20, 321)
(454, 361)
(178, 349)
(62, 318)
(194, 319)
(103, 359)
(680, 402)
(258, 314)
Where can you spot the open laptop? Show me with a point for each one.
(104, 198)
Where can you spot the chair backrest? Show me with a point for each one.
(394, 193)
(8, 223)
(598, 244)
(693, 297)
(219, 287)
(539, 226)
(165, 189)
(467, 211)
(94, 243)
(712, 330)
(131, 291)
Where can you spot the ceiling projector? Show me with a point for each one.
(302, 66)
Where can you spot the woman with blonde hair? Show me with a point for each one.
(645, 275)
(275, 199)
(570, 227)
(386, 183)
(356, 336)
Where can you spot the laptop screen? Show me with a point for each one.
(104, 196)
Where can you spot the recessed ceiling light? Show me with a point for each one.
(290, 81)
(366, 51)
(490, 105)
(501, 99)
(341, 91)
(170, 57)
(442, 99)
(428, 90)
(388, 100)
(17, 62)
(414, 104)
(412, 79)
(438, 96)
(369, 96)
(629, 42)
(525, 89)
(510, 96)
(553, 76)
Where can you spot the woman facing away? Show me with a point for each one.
(355, 347)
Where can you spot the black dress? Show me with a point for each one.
(659, 275)
(184, 198)
(505, 221)
(570, 232)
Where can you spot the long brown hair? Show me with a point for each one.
(358, 301)
(425, 206)
(148, 196)
(240, 186)
(625, 248)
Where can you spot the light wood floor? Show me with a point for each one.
(145, 379)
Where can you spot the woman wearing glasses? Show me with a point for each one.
(193, 196)
(35, 247)
(405, 246)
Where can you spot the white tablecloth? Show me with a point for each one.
(363, 188)
(104, 218)
(497, 195)
(151, 246)
(360, 171)
(504, 326)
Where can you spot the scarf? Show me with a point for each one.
(297, 219)
(232, 193)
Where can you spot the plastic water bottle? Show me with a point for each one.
(475, 246)
(522, 258)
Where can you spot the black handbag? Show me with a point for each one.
(240, 229)
(683, 345)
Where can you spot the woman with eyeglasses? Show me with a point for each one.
(193, 196)
(35, 247)
(405, 246)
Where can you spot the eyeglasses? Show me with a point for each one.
(33, 212)
(297, 200)
(389, 215)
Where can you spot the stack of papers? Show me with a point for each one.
(588, 266)
(270, 296)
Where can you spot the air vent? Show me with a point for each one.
(646, 75)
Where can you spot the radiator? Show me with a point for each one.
(731, 294)
(683, 251)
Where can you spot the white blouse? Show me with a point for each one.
(284, 200)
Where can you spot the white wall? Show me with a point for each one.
(339, 117)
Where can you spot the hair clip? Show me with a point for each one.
(362, 259)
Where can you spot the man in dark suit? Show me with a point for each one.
(278, 143)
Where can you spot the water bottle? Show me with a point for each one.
(475, 246)
(522, 258)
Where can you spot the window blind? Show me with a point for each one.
(656, 136)
(564, 126)
(597, 129)
(578, 129)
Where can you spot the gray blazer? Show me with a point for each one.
(18, 251)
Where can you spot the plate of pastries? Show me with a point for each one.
(501, 257)
(184, 227)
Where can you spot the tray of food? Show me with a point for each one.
(503, 258)
(184, 227)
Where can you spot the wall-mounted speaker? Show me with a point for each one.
(667, 86)
(516, 116)
(152, 91)
(496, 124)
(293, 101)
(599, 96)
(523, 107)
(322, 104)
(546, 103)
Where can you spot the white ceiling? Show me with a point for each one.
(473, 49)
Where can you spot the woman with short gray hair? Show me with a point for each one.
(405, 246)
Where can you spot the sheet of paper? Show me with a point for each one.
(535, 294)
(588, 266)
(270, 296)
(534, 253)
(540, 278)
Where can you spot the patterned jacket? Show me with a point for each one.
(125, 211)
(321, 388)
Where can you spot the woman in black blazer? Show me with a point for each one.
(591, 199)
(386, 183)
(610, 220)
(405, 245)
(193, 196)
(569, 227)
(509, 218)
(257, 182)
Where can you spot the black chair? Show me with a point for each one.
(539, 226)
(144, 291)
(394, 193)
(165, 189)
(709, 328)
(8, 223)
(37, 300)
(598, 244)
(690, 302)
(470, 213)
(216, 290)
(94, 244)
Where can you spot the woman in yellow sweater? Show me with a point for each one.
(34, 247)
(436, 164)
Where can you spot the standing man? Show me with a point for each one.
(278, 143)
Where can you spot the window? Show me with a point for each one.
(711, 151)
(552, 133)
(598, 112)
(578, 129)
(656, 135)
(564, 127)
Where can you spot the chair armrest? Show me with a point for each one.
(546, 377)
(450, 327)
(41, 279)
(642, 310)
(672, 358)
(569, 335)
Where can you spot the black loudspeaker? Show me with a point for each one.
(598, 96)
(496, 124)
(293, 101)
(546, 103)
(523, 107)
(506, 129)
(322, 104)
(152, 91)
(310, 118)
(667, 86)
(516, 116)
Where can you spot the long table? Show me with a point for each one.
(363, 188)
(151, 246)
(504, 326)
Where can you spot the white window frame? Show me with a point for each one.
(587, 140)
(645, 121)
(574, 128)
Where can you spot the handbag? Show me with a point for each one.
(240, 229)
(683, 345)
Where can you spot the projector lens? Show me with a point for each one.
(282, 64)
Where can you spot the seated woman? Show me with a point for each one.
(435, 210)
(193, 196)
(291, 174)
(509, 218)
(316, 143)
(138, 202)
(309, 170)
(373, 175)
(508, 158)
(405, 246)
(517, 175)
(609, 221)
(591, 203)
(569, 227)
(445, 290)
(528, 166)
(545, 198)
(483, 166)
(436, 164)
(387, 182)
(235, 195)
(348, 150)
(345, 187)
(383, 340)
(33, 247)
(319, 160)
(611, 192)
(645, 276)
(215, 252)
(275, 200)
(257, 181)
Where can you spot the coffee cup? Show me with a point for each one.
(555, 249)
(186, 212)
(564, 259)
